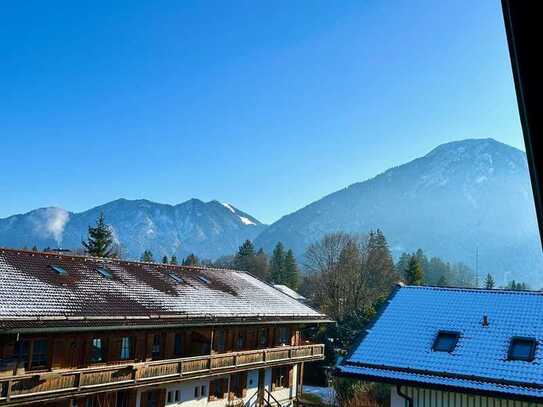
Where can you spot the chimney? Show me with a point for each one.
(485, 320)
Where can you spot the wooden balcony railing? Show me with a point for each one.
(65, 383)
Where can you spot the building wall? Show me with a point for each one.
(187, 399)
(436, 398)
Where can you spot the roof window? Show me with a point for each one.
(445, 341)
(522, 349)
(59, 270)
(104, 272)
(176, 278)
(203, 279)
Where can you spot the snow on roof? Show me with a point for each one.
(290, 292)
(31, 290)
(398, 345)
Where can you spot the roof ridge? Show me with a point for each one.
(473, 289)
(112, 259)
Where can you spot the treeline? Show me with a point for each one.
(416, 268)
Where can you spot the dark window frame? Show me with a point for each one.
(103, 350)
(452, 347)
(515, 340)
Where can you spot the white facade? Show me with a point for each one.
(195, 393)
(437, 398)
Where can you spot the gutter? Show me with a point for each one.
(404, 395)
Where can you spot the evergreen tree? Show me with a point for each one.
(244, 258)
(260, 267)
(277, 264)
(290, 271)
(147, 256)
(190, 260)
(442, 282)
(413, 273)
(34, 248)
(100, 239)
(489, 281)
(173, 259)
(165, 259)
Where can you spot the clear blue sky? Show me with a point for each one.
(268, 105)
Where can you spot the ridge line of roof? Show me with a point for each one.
(114, 260)
(471, 289)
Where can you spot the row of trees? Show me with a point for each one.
(414, 268)
(417, 269)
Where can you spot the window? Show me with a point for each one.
(220, 340)
(522, 349)
(97, 350)
(178, 345)
(238, 384)
(177, 395)
(283, 336)
(126, 348)
(197, 392)
(169, 398)
(280, 376)
(89, 402)
(203, 390)
(122, 399)
(59, 270)
(240, 340)
(156, 349)
(445, 341)
(263, 337)
(152, 399)
(218, 388)
(34, 353)
(203, 279)
(104, 272)
(176, 278)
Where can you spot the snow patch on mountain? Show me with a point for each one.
(229, 207)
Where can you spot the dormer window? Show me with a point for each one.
(203, 279)
(176, 278)
(522, 349)
(445, 341)
(59, 270)
(104, 272)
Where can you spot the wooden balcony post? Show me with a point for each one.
(8, 391)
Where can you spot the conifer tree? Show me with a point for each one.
(290, 271)
(489, 281)
(165, 259)
(147, 256)
(244, 258)
(190, 260)
(100, 239)
(277, 264)
(413, 273)
(173, 259)
(442, 282)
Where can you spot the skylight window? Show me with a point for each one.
(203, 279)
(104, 272)
(445, 341)
(58, 270)
(522, 349)
(176, 278)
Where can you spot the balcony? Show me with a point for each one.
(18, 390)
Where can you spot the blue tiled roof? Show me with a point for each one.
(398, 346)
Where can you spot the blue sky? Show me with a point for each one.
(268, 105)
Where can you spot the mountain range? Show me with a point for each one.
(468, 201)
(210, 229)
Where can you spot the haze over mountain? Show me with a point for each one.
(210, 229)
(461, 197)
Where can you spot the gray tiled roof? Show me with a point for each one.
(398, 346)
(136, 294)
